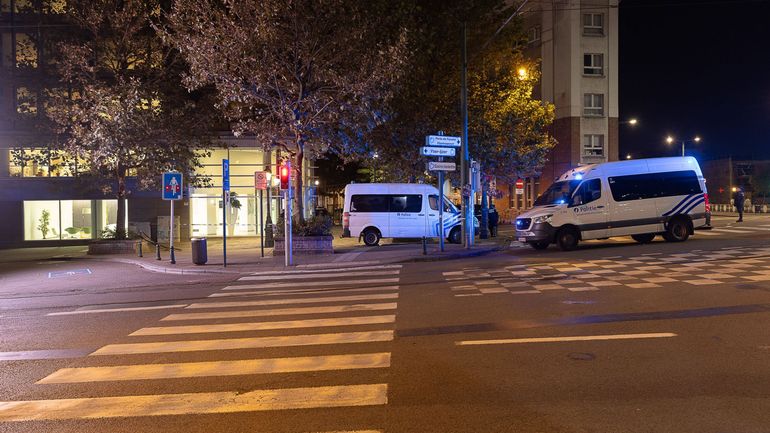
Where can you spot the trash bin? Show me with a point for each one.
(199, 253)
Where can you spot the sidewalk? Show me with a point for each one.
(243, 255)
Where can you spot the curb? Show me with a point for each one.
(167, 270)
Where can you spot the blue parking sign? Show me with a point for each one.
(225, 175)
(172, 186)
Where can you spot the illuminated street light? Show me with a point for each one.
(628, 156)
(523, 73)
(671, 140)
(316, 182)
(632, 121)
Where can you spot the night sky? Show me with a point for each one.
(695, 68)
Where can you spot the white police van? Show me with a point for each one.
(641, 198)
(374, 211)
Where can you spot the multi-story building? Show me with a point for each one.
(576, 42)
(42, 203)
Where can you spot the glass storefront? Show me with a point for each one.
(68, 219)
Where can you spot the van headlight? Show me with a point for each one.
(542, 219)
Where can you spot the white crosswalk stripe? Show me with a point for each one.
(362, 308)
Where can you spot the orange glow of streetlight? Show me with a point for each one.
(523, 73)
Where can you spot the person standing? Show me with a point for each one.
(739, 198)
(493, 219)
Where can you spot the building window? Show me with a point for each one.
(533, 35)
(593, 24)
(26, 51)
(26, 101)
(593, 104)
(68, 219)
(593, 64)
(593, 145)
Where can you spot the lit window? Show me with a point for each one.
(593, 64)
(593, 104)
(593, 145)
(23, 6)
(26, 101)
(54, 6)
(593, 24)
(26, 51)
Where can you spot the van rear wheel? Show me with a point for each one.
(678, 230)
(455, 236)
(371, 237)
(567, 238)
(645, 238)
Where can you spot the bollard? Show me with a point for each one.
(157, 251)
(424, 247)
(173, 259)
(140, 249)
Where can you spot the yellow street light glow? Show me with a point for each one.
(697, 139)
(628, 156)
(632, 121)
(669, 139)
(522, 73)
(316, 182)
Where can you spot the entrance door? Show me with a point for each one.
(589, 209)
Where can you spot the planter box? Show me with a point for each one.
(112, 247)
(305, 245)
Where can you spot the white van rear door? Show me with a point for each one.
(407, 217)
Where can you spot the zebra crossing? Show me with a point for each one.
(345, 318)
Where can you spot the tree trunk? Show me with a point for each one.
(120, 224)
(298, 195)
(484, 223)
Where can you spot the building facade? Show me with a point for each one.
(576, 42)
(43, 203)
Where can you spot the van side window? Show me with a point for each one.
(406, 203)
(653, 185)
(589, 191)
(369, 203)
(433, 202)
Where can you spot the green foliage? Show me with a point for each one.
(44, 223)
(315, 226)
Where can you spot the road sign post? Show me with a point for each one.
(287, 220)
(172, 191)
(441, 208)
(260, 184)
(225, 206)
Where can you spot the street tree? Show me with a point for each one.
(303, 77)
(121, 109)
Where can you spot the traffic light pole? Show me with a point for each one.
(287, 219)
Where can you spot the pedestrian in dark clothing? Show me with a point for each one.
(739, 198)
(493, 218)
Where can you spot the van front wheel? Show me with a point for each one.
(567, 238)
(455, 236)
(371, 237)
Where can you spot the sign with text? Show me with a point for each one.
(441, 166)
(520, 187)
(442, 141)
(172, 186)
(437, 151)
(260, 180)
(225, 175)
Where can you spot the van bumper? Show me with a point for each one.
(537, 233)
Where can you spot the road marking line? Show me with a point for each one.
(116, 310)
(195, 403)
(246, 343)
(218, 368)
(731, 231)
(302, 292)
(337, 270)
(562, 339)
(314, 300)
(264, 326)
(320, 275)
(281, 312)
(309, 284)
(361, 264)
(43, 354)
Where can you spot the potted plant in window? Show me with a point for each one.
(44, 223)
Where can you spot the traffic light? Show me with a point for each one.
(285, 175)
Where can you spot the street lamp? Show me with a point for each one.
(671, 140)
(628, 156)
(633, 121)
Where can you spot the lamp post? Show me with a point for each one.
(671, 140)
(269, 242)
(632, 121)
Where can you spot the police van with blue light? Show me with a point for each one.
(373, 211)
(639, 198)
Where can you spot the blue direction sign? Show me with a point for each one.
(442, 141)
(172, 186)
(225, 175)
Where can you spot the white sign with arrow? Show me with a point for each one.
(442, 141)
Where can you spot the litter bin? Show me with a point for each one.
(199, 253)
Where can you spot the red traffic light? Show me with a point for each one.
(285, 175)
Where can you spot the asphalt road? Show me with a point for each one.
(613, 337)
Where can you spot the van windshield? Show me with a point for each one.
(558, 193)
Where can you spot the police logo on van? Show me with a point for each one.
(585, 209)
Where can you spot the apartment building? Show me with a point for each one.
(43, 203)
(576, 42)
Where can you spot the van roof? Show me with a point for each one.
(389, 188)
(633, 166)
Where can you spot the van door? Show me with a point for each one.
(589, 209)
(406, 217)
(633, 209)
